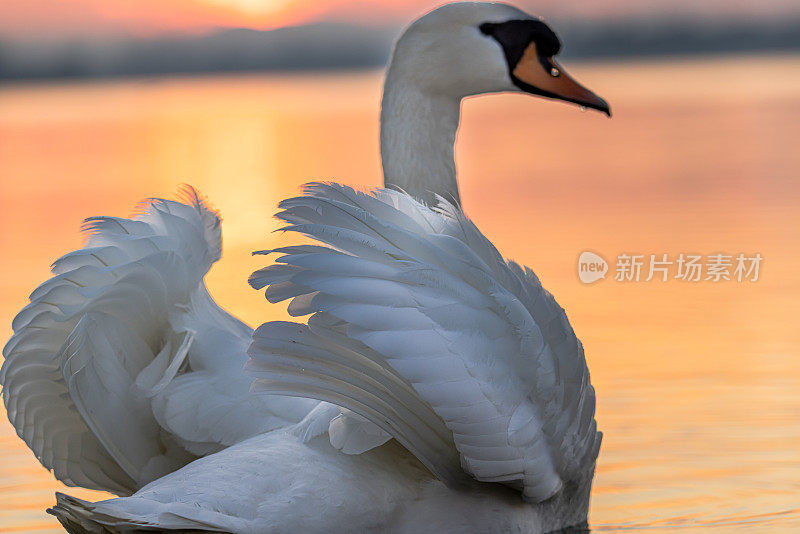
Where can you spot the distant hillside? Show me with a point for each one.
(345, 46)
(319, 46)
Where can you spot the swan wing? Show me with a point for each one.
(122, 368)
(427, 302)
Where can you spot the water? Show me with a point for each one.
(698, 383)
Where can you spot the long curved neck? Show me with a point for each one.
(418, 133)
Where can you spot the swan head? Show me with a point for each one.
(471, 48)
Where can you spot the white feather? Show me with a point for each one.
(126, 331)
(478, 339)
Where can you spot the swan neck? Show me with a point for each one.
(418, 133)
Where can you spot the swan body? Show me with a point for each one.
(445, 390)
(311, 488)
(434, 385)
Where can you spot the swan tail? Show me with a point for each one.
(97, 342)
(434, 306)
(121, 516)
(75, 515)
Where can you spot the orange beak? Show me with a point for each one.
(545, 77)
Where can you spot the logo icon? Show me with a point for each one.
(591, 267)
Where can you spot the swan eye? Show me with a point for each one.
(554, 72)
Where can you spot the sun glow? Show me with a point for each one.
(254, 7)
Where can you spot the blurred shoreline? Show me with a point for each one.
(758, 62)
(342, 47)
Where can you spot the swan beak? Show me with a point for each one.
(545, 77)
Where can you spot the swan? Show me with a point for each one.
(434, 385)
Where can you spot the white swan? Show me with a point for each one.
(122, 370)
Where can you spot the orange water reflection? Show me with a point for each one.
(698, 384)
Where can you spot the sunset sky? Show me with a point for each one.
(44, 19)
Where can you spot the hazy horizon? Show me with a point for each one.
(360, 44)
(97, 19)
(51, 39)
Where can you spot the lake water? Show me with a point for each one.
(698, 383)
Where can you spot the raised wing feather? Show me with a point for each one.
(477, 338)
(122, 368)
